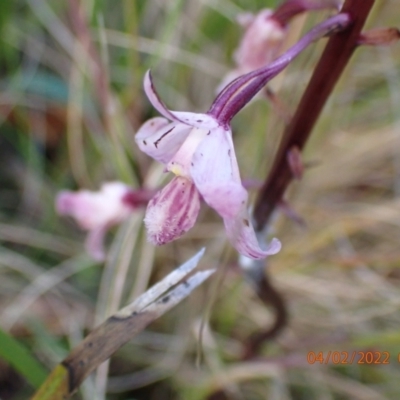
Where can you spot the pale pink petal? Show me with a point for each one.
(225, 199)
(172, 211)
(181, 163)
(160, 139)
(242, 236)
(215, 173)
(94, 243)
(198, 120)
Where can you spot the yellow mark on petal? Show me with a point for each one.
(177, 170)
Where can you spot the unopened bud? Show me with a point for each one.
(379, 37)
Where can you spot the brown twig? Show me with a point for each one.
(117, 330)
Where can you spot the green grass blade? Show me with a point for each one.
(20, 358)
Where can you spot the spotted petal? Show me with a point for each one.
(198, 120)
(161, 139)
(215, 173)
(242, 236)
(172, 211)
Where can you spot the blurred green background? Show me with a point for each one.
(71, 100)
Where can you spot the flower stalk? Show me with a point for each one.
(334, 59)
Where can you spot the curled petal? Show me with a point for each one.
(160, 139)
(242, 236)
(197, 120)
(172, 211)
(154, 98)
(216, 175)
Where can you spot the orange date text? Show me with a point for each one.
(349, 357)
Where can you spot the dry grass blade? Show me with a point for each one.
(117, 330)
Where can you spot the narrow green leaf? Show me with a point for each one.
(20, 358)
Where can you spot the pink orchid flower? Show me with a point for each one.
(97, 212)
(199, 150)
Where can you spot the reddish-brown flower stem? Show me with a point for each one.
(334, 59)
(331, 65)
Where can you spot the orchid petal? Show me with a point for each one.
(197, 120)
(215, 173)
(226, 200)
(94, 243)
(160, 139)
(155, 100)
(181, 163)
(242, 236)
(172, 211)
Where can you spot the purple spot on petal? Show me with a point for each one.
(162, 137)
(144, 142)
(246, 222)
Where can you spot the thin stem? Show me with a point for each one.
(238, 93)
(331, 65)
(334, 59)
(272, 299)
